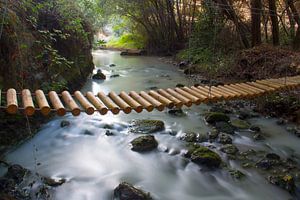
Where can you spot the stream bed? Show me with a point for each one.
(94, 163)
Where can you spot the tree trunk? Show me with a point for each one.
(256, 22)
(274, 20)
(296, 42)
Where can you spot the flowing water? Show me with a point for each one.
(94, 164)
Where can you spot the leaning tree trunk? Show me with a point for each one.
(256, 22)
(296, 42)
(274, 20)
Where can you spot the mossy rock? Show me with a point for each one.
(286, 182)
(214, 117)
(237, 174)
(225, 127)
(190, 137)
(147, 126)
(229, 149)
(144, 143)
(224, 138)
(126, 191)
(240, 124)
(203, 156)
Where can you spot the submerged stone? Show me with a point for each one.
(147, 126)
(255, 128)
(144, 143)
(215, 117)
(99, 76)
(213, 134)
(53, 183)
(224, 138)
(64, 123)
(240, 124)
(286, 182)
(190, 137)
(177, 112)
(225, 127)
(237, 174)
(126, 191)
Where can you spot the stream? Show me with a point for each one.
(93, 163)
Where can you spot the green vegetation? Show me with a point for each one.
(127, 41)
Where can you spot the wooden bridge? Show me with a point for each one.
(126, 102)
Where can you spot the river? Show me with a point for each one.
(94, 164)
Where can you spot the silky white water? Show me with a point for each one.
(94, 164)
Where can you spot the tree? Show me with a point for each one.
(256, 7)
(274, 20)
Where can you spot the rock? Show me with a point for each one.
(183, 64)
(53, 183)
(268, 162)
(179, 85)
(190, 70)
(152, 88)
(258, 137)
(243, 115)
(132, 53)
(240, 124)
(144, 143)
(203, 156)
(190, 137)
(224, 138)
(176, 112)
(237, 174)
(109, 133)
(229, 149)
(286, 182)
(215, 117)
(272, 156)
(255, 128)
(147, 126)
(112, 65)
(87, 132)
(225, 127)
(213, 134)
(220, 109)
(99, 76)
(126, 191)
(17, 173)
(64, 123)
(281, 122)
(202, 137)
(114, 75)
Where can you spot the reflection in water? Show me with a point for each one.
(94, 163)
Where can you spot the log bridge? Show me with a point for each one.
(30, 103)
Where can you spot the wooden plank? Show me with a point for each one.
(87, 106)
(275, 86)
(57, 104)
(97, 103)
(184, 100)
(203, 98)
(28, 102)
(148, 106)
(210, 93)
(249, 88)
(240, 90)
(108, 103)
(70, 102)
(225, 94)
(161, 99)
(177, 102)
(130, 101)
(260, 86)
(120, 102)
(232, 92)
(42, 102)
(12, 101)
(202, 91)
(214, 91)
(194, 99)
(158, 105)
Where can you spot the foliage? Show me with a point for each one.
(127, 41)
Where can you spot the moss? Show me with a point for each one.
(147, 126)
(144, 143)
(214, 117)
(241, 124)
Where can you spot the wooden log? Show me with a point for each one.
(185, 100)
(120, 102)
(109, 103)
(12, 101)
(281, 85)
(97, 103)
(148, 106)
(130, 101)
(253, 88)
(269, 84)
(245, 94)
(57, 104)
(210, 97)
(177, 102)
(86, 105)
(161, 99)
(284, 82)
(224, 94)
(196, 94)
(210, 93)
(70, 102)
(187, 95)
(231, 92)
(248, 88)
(260, 86)
(158, 105)
(27, 102)
(249, 92)
(42, 102)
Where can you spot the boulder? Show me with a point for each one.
(224, 138)
(114, 75)
(177, 112)
(270, 160)
(214, 117)
(147, 126)
(126, 191)
(240, 124)
(99, 76)
(229, 149)
(144, 143)
(213, 134)
(203, 156)
(53, 183)
(225, 127)
(286, 182)
(190, 137)
(237, 174)
(112, 65)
